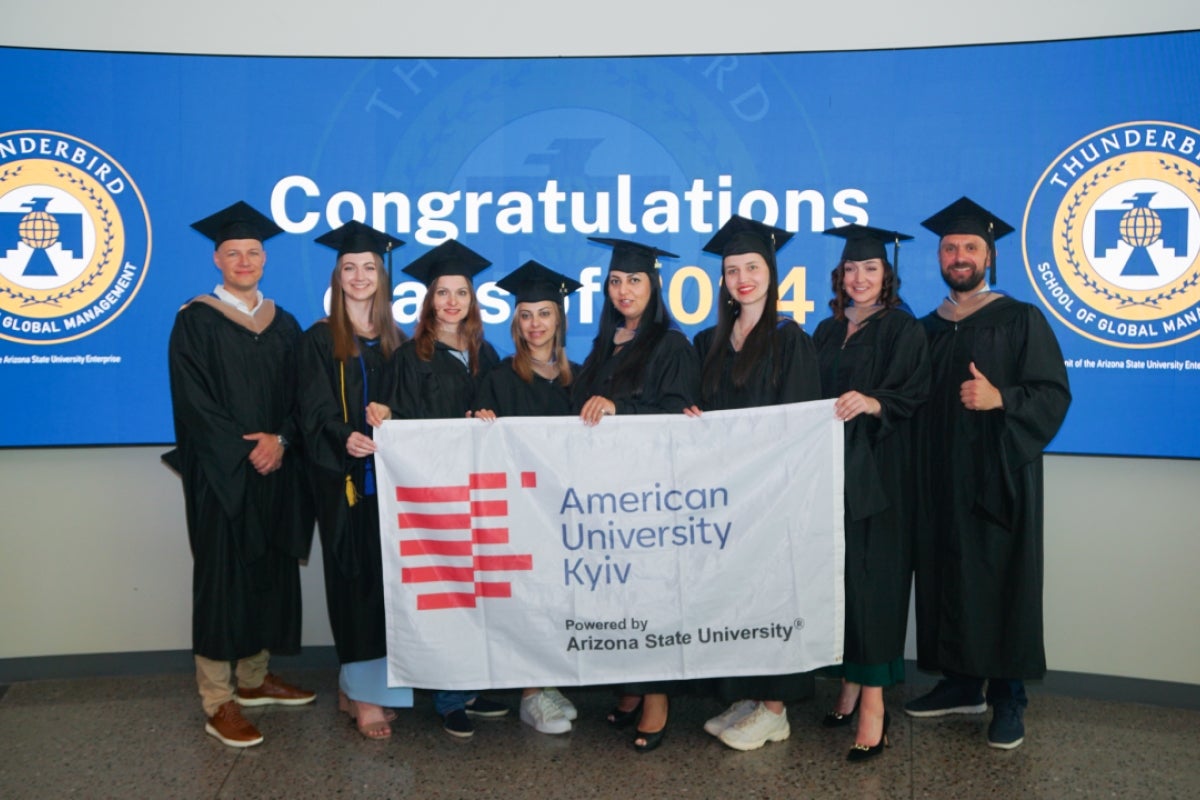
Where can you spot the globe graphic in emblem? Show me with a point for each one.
(38, 229)
(1141, 227)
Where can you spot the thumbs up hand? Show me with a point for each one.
(978, 394)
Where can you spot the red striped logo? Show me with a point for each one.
(455, 540)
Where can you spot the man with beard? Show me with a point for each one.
(999, 395)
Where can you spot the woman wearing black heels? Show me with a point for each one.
(753, 357)
(874, 360)
(640, 364)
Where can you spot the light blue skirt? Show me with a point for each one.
(366, 682)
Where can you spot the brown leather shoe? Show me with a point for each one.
(231, 727)
(274, 692)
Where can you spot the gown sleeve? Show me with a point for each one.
(320, 403)
(1036, 404)
(213, 435)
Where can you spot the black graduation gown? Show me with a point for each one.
(799, 381)
(349, 534)
(886, 359)
(979, 554)
(246, 531)
(669, 382)
(799, 377)
(441, 388)
(503, 392)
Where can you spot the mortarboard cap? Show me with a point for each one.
(238, 221)
(532, 283)
(966, 216)
(630, 256)
(741, 235)
(355, 237)
(448, 258)
(864, 242)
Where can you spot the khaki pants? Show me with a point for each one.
(215, 678)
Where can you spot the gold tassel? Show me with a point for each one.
(351, 492)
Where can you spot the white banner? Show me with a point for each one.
(542, 552)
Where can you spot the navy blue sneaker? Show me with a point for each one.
(488, 709)
(948, 697)
(457, 723)
(1007, 729)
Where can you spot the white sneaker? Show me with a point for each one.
(564, 705)
(730, 716)
(759, 727)
(543, 715)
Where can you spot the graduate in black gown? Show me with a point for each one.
(438, 374)
(998, 396)
(875, 362)
(345, 364)
(440, 368)
(753, 357)
(535, 382)
(233, 390)
(640, 364)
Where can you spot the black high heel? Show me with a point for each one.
(835, 720)
(651, 741)
(861, 752)
(622, 719)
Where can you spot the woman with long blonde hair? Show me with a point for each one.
(344, 363)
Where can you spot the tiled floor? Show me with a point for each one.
(139, 737)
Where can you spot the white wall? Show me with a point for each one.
(93, 550)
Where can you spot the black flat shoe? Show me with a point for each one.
(622, 719)
(862, 752)
(834, 719)
(650, 741)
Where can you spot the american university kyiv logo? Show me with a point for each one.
(454, 540)
(1112, 235)
(74, 237)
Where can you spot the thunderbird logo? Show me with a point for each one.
(1141, 226)
(40, 229)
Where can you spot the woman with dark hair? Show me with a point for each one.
(342, 369)
(754, 357)
(874, 360)
(439, 370)
(535, 382)
(640, 364)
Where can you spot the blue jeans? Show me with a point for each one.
(445, 701)
(999, 689)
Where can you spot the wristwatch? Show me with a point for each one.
(283, 442)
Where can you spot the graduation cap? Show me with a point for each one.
(448, 258)
(355, 237)
(630, 256)
(741, 235)
(532, 283)
(864, 242)
(966, 216)
(238, 221)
